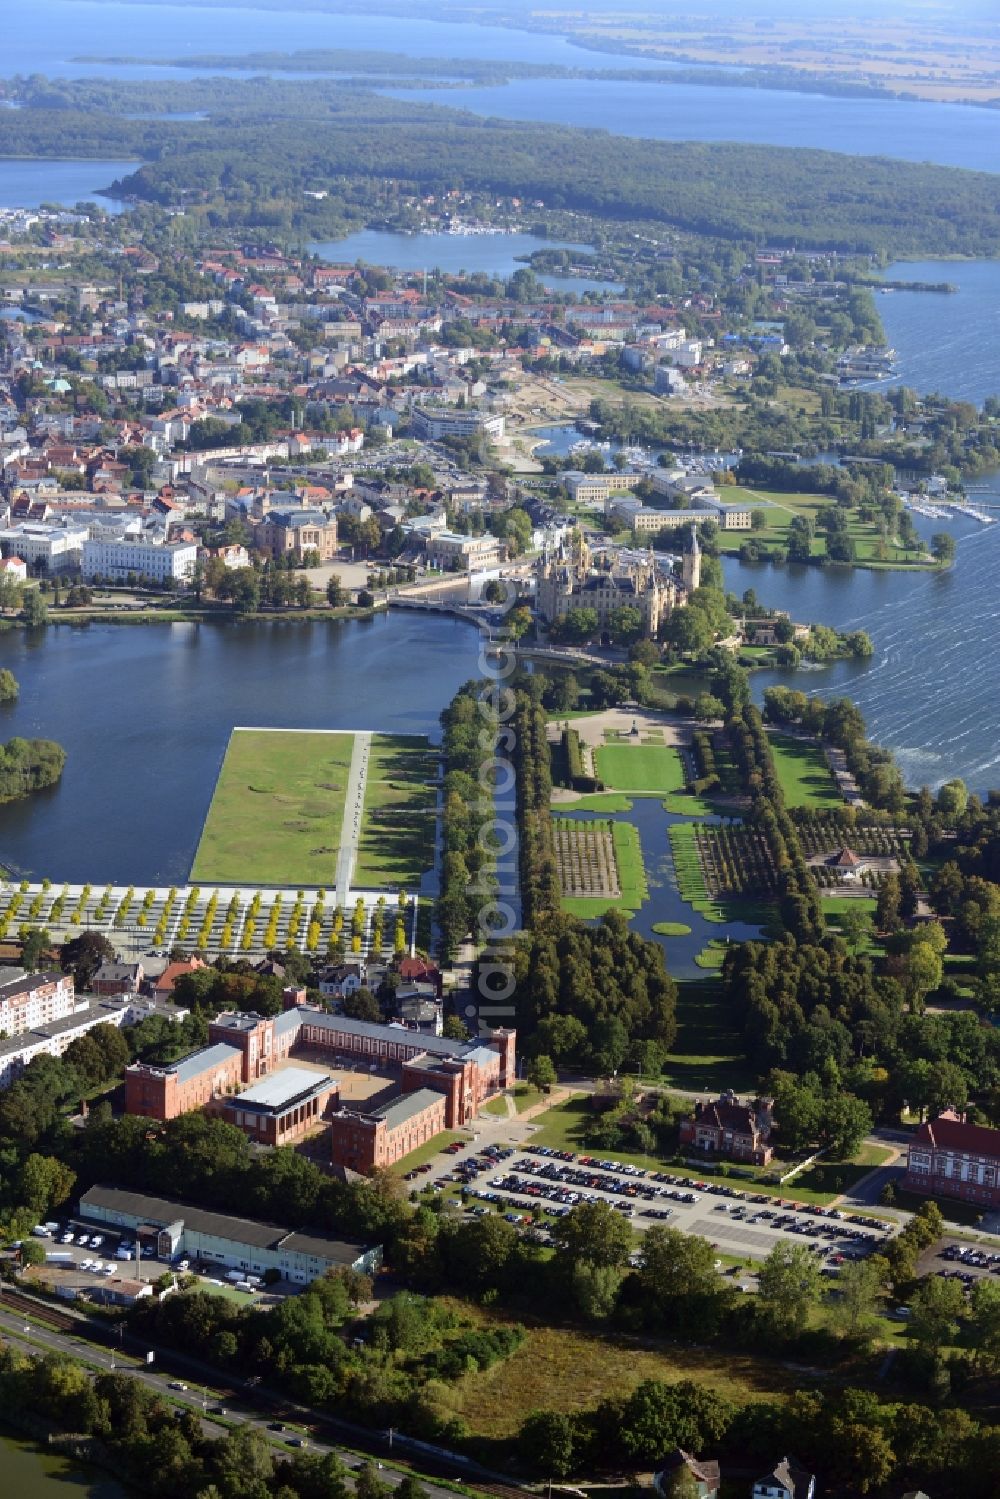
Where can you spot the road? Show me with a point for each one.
(239, 1398)
(354, 812)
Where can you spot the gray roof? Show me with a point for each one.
(283, 1088)
(440, 1045)
(161, 1211)
(201, 1061)
(401, 1109)
(19, 982)
(80, 1020)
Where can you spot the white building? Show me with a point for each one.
(31, 999)
(142, 559)
(53, 548)
(51, 1039)
(167, 1228)
(452, 421)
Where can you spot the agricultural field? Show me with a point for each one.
(278, 809)
(640, 767)
(803, 774)
(735, 859)
(819, 833)
(585, 857)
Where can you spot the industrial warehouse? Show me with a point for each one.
(165, 1230)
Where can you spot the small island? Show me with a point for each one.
(28, 765)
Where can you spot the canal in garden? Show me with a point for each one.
(665, 903)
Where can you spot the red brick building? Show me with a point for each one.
(949, 1158)
(452, 1078)
(365, 1141)
(730, 1129)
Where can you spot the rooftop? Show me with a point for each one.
(284, 1088)
(162, 1211)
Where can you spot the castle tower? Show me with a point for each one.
(691, 562)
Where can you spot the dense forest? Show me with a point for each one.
(282, 137)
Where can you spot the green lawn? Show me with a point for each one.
(596, 801)
(803, 773)
(277, 811)
(708, 1052)
(639, 767)
(781, 508)
(397, 838)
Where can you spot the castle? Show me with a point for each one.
(571, 580)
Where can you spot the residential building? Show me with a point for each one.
(366, 1141)
(28, 1000)
(786, 1480)
(117, 978)
(949, 1158)
(125, 557)
(52, 1038)
(15, 568)
(731, 1129)
(168, 1229)
(703, 1474)
(435, 422)
(293, 533)
(464, 553)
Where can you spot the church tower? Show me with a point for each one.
(691, 562)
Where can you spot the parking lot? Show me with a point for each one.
(952, 1260)
(532, 1185)
(82, 1257)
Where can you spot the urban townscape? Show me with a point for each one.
(499, 811)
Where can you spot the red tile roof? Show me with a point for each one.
(948, 1132)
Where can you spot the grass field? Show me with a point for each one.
(708, 1052)
(803, 773)
(781, 508)
(566, 1369)
(277, 812)
(397, 839)
(639, 767)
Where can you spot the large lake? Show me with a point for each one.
(931, 692)
(946, 343)
(146, 712)
(47, 36)
(27, 184)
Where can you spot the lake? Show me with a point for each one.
(146, 712)
(29, 1472)
(27, 184)
(945, 343)
(949, 134)
(48, 36)
(493, 254)
(930, 692)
